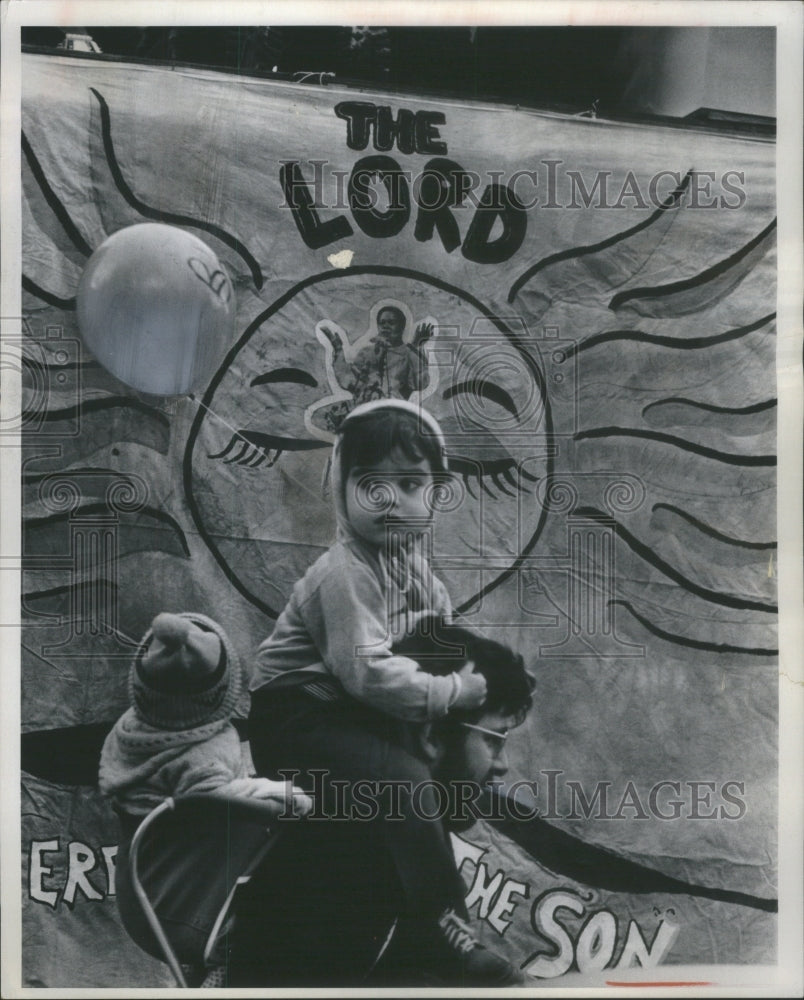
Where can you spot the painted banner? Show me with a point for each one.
(600, 304)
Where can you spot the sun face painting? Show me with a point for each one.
(266, 424)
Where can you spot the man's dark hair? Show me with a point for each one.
(442, 649)
(396, 311)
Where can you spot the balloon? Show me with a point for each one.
(156, 308)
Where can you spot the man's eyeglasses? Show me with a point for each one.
(497, 741)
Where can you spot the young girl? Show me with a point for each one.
(328, 692)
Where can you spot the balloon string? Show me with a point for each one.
(237, 433)
(212, 413)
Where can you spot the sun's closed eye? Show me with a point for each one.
(479, 457)
(254, 449)
(500, 471)
(486, 390)
(298, 376)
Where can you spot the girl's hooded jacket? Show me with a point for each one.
(336, 631)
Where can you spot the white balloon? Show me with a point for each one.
(156, 308)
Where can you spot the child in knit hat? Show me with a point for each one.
(177, 737)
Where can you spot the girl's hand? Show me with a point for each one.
(473, 688)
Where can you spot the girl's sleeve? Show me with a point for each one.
(347, 618)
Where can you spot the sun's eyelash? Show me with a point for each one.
(251, 456)
(259, 448)
(499, 471)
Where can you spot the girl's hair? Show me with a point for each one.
(368, 439)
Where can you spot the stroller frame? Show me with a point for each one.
(249, 809)
(237, 810)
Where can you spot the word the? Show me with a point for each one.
(412, 131)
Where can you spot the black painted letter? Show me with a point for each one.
(428, 139)
(498, 202)
(314, 232)
(388, 129)
(359, 116)
(363, 201)
(441, 188)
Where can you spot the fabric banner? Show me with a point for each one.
(601, 303)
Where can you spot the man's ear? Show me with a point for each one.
(429, 743)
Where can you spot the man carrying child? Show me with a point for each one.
(329, 691)
(329, 908)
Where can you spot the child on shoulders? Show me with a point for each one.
(329, 692)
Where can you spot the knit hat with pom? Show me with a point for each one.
(180, 679)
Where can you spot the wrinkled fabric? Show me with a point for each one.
(608, 395)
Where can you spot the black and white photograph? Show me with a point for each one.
(401, 447)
